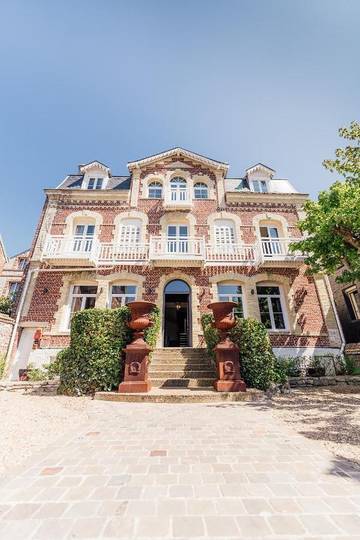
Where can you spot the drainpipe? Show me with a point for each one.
(17, 319)
(329, 291)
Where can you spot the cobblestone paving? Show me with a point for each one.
(181, 471)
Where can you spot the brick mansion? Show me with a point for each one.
(179, 232)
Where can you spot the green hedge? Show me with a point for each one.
(259, 367)
(94, 359)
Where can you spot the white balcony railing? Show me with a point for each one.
(177, 247)
(232, 253)
(71, 247)
(115, 253)
(278, 249)
(81, 249)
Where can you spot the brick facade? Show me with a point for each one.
(311, 323)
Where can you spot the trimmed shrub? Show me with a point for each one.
(258, 363)
(2, 364)
(93, 360)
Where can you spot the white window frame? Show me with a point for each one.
(282, 303)
(260, 186)
(83, 241)
(271, 245)
(155, 184)
(178, 189)
(96, 183)
(231, 296)
(83, 296)
(202, 187)
(129, 231)
(355, 307)
(122, 296)
(224, 236)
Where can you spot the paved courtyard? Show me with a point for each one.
(181, 471)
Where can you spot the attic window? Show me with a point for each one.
(95, 183)
(260, 186)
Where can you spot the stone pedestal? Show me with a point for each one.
(136, 377)
(227, 353)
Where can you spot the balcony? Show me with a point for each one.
(189, 250)
(71, 250)
(275, 251)
(177, 199)
(165, 251)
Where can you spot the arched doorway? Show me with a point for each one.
(177, 314)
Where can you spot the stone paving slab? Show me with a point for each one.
(196, 471)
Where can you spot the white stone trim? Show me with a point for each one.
(131, 214)
(87, 217)
(178, 152)
(223, 215)
(271, 219)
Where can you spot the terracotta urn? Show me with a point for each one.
(136, 377)
(227, 353)
(224, 316)
(140, 317)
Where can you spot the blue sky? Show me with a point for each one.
(241, 81)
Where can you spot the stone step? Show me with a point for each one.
(196, 395)
(181, 358)
(180, 352)
(181, 365)
(181, 383)
(182, 374)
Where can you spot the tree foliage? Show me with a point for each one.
(5, 305)
(332, 223)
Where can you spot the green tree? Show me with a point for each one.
(332, 223)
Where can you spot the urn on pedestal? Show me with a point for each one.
(227, 353)
(136, 377)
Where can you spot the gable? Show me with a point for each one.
(180, 155)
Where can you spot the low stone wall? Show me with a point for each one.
(299, 382)
(30, 387)
(6, 326)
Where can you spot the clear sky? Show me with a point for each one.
(115, 80)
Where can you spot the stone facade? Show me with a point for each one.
(224, 242)
(6, 327)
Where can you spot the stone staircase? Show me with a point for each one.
(181, 367)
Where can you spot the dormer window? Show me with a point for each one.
(95, 183)
(260, 186)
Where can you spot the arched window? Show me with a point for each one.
(155, 190)
(232, 292)
(271, 307)
(201, 191)
(178, 189)
(83, 236)
(129, 232)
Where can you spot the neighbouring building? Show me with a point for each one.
(347, 301)
(176, 231)
(12, 274)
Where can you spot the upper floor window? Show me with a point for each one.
(155, 190)
(178, 189)
(83, 237)
(13, 289)
(130, 231)
(201, 191)
(224, 232)
(231, 292)
(270, 242)
(22, 263)
(95, 183)
(271, 308)
(121, 295)
(353, 302)
(260, 186)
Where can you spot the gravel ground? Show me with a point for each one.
(29, 423)
(330, 415)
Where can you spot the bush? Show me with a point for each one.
(94, 360)
(291, 365)
(5, 305)
(36, 374)
(258, 363)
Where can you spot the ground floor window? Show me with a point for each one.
(230, 292)
(121, 295)
(82, 297)
(270, 305)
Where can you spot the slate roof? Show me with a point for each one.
(74, 181)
